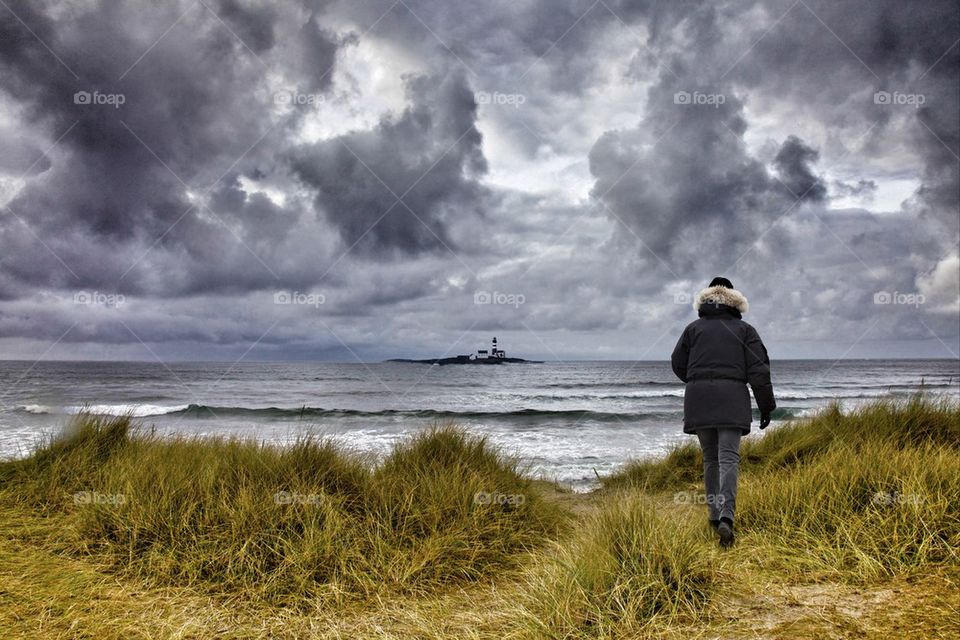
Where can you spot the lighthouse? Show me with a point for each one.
(483, 354)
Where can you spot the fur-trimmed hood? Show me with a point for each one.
(721, 295)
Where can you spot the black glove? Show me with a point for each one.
(764, 420)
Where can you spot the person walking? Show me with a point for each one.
(717, 356)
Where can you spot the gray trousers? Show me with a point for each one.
(721, 465)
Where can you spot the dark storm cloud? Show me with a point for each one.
(253, 25)
(318, 48)
(685, 180)
(135, 176)
(193, 105)
(697, 198)
(800, 58)
(429, 156)
(793, 163)
(185, 111)
(889, 46)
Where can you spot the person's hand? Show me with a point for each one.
(764, 420)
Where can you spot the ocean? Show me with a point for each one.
(568, 421)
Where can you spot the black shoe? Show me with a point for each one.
(714, 524)
(725, 529)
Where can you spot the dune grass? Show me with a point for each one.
(917, 421)
(447, 537)
(860, 512)
(286, 524)
(629, 569)
(852, 496)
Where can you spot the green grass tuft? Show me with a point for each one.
(448, 506)
(628, 569)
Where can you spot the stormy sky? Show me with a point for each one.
(224, 179)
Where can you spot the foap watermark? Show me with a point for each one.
(299, 297)
(292, 497)
(692, 497)
(495, 497)
(699, 98)
(94, 497)
(96, 98)
(897, 98)
(99, 298)
(910, 299)
(891, 498)
(500, 99)
(499, 297)
(294, 98)
(687, 297)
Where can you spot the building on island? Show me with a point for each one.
(493, 352)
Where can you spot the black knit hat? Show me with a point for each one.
(722, 282)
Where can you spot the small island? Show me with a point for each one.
(483, 356)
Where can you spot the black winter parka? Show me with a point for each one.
(717, 356)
